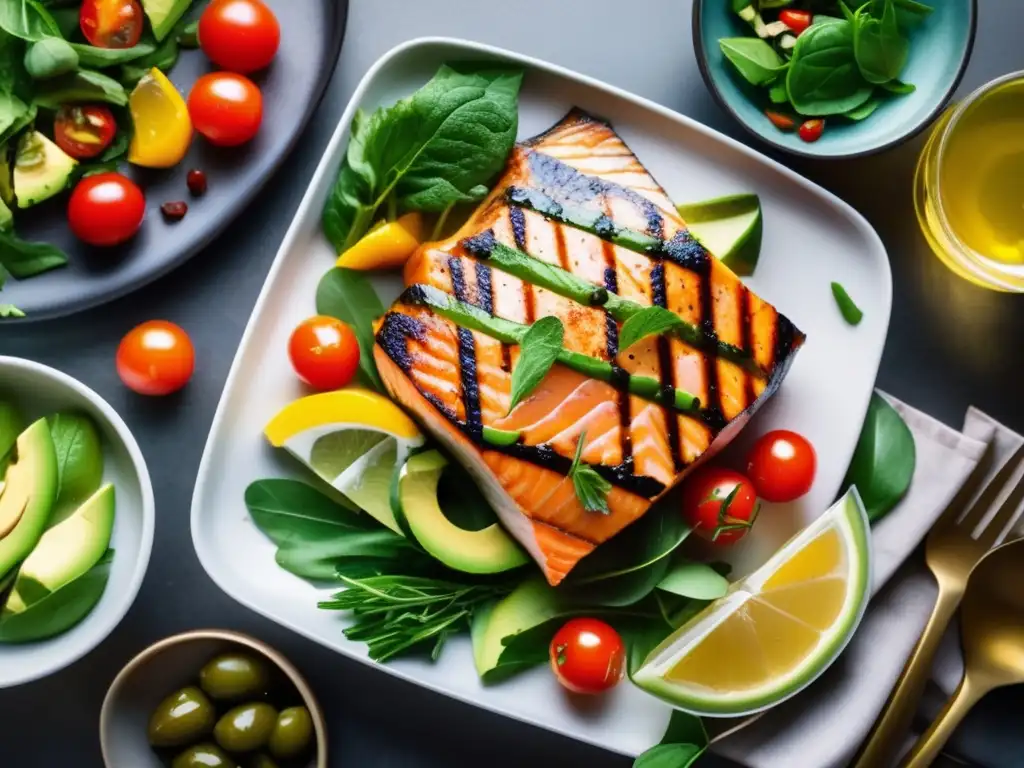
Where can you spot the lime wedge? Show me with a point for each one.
(730, 227)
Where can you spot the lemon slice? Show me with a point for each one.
(353, 439)
(163, 129)
(776, 630)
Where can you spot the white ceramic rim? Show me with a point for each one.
(148, 508)
(340, 134)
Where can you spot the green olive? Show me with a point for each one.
(234, 676)
(292, 734)
(260, 761)
(246, 727)
(183, 717)
(203, 756)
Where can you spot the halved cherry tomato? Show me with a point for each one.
(780, 120)
(782, 465)
(111, 23)
(587, 656)
(797, 21)
(155, 358)
(84, 131)
(719, 504)
(239, 35)
(324, 352)
(106, 209)
(226, 108)
(811, 130)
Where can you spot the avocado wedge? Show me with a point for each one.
(417, 507)
(730, 227)
(30, 487)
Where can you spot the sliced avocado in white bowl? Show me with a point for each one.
(415, 502)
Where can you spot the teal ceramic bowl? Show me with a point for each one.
(940, 47)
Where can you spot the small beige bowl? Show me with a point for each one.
(171, 664)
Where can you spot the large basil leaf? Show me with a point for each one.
(27, 20)
(350, 296)
(292, 513)
(426, 152)
(81, 86)
(884, 459)
(881, 50)
(59, 610)
(823, 77)
(539, 350)
(24, 259)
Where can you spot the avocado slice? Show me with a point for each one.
(416, 506)
(164, 14)
(730, 227)
(30, 487)
(65, 552)
(7, 174)
(529, 605)
(41, 169)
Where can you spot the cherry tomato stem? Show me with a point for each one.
(719, 504)
(587, 656)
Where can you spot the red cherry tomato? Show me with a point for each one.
(155, 358)
(719, 504)
(226, 108)
(111, 23)
(324, 352)
(239, 35)
(106, 209)
(84, 131)
(811, 130)
(782, 466)
(797, 21)
(587, 656)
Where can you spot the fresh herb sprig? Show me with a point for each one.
(539, 350)
(591, 489)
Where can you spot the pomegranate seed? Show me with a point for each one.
(174, 211)
(196, 181)
(781, 121)
(812, 130)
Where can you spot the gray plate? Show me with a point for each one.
(311, 34)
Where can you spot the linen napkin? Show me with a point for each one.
(823, 726)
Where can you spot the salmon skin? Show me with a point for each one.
(577, 229)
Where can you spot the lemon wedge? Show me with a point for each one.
(386, 245)
(776, 630)
(353, 439)
(163, 129)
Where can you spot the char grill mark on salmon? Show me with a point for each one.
(579, 230)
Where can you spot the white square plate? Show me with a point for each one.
(811, 238)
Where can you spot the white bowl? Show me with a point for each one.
(40, 390)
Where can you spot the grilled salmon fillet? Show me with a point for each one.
(577, 229)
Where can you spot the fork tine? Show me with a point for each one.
(955, 509)
(980, 508)
(994, 532)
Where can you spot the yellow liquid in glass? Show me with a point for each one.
(981, 175)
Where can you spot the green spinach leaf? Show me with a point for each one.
(27, 20)
(79, 458)
(163, 57)
(879, 46)
(884, 459)
(684, 741)
(864, 110)
(650, 321)
(850, 311)
(823, 77)
(538, 352)
(753, 58)
(91, 56)
(84, 85)
(898, 87)
(24, 259)
(349, 296)
(292, 513)
(428, 151)
(619, 591)
(9, 310)
(778, 94)
(698, 581)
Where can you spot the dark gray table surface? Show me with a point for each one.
(950, 345)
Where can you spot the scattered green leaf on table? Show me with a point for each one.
(349, 295)
(823, 77)
(884, 459)
(60, 610)
(694, 580)
(753, 58)
(427, 151)
(880, 48)
(541, 345)
(850, 311)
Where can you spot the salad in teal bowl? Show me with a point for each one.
(832, 79)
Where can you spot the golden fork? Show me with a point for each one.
(992, 635)
(952, 550)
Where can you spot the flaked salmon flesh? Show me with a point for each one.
(565, 199)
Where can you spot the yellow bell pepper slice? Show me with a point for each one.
(385, 246)
(163, 129)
